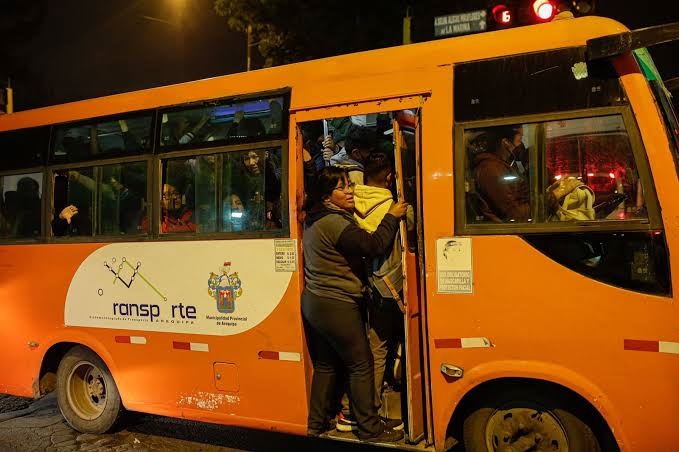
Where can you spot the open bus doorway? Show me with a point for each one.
(400, 375)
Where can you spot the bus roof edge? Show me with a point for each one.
(611, 45)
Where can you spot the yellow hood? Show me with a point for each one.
(372, 204)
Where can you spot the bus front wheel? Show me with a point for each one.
(524, 420)
(86, 393)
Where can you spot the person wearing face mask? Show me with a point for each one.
(501, 178)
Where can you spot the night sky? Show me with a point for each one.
(60, 51)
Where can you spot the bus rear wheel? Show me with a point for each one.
(521, 420)
(86, 393)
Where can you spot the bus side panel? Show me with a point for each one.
(34, 283)
(532, 310)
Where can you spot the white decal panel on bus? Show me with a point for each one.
(217, 288)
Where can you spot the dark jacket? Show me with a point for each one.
(333, 250)
(502, 188)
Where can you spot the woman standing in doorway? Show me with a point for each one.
(333, 303)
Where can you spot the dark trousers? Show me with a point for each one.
(336, 335)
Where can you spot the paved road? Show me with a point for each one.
(27, 426)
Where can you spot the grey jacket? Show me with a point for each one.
(334, 248)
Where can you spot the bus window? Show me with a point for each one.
(589, 172)
(20, 205)
(252, 190)
(593, 153)
(122, 194)
(82, 141)
(497, 181)
(188, 195)
(70, 189)
(25, 148)
(223, 123)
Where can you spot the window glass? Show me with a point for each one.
(73, 203)
(497, 174)
(24, 148)
(77, 142)
(20, 205)
(588, 172)
(188, 201)
(228, 122)
(122, 199)
(591, 171)
(252, 190)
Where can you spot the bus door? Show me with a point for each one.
(396, 128)
(407, 159)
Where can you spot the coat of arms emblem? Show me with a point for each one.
(225, 288)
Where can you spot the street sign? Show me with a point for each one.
(459, 24)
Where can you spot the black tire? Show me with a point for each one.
(87, 396)
(541, 417)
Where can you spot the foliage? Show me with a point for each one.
(295, 30)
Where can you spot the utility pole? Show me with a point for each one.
(249, 44)
(406, 26)
(7, 98)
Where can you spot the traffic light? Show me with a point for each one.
(543, 10)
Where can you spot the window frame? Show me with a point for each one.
(220, 151)
(96, 164)
(536, 156)
(152, 113)
(159, 148)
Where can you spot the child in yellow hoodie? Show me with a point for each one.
(372, 202)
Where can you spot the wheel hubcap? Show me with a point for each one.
(525, 429)
(86, 390)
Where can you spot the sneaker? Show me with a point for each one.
(346, 423)
(394, 424)
(387, 436)
(328, 426)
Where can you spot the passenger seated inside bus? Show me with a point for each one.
(176, 215)
(498, 178)
(253, 191)
(28, 218)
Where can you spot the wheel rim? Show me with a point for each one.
(86, 390)
(525, 429)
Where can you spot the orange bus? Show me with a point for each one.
(150, 255)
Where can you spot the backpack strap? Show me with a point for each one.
(394, 294)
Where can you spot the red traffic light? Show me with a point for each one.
(544, 10)
(502, 15)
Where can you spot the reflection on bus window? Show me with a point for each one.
(188, 195)
(79, 142)
(20, 205)
(497, 174)
(252, 190)
(69, 192)
(235, 122)
(592, 157)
